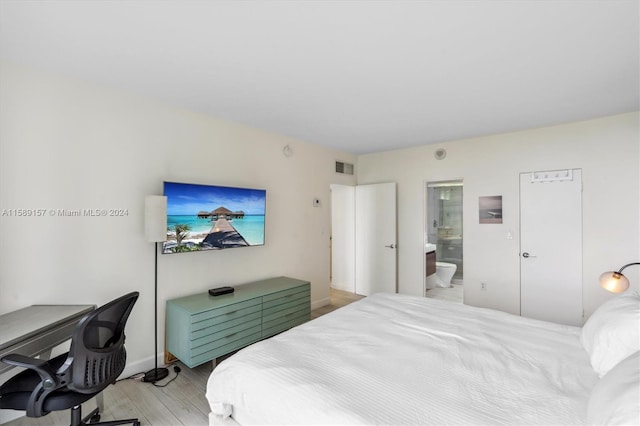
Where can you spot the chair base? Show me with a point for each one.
(93, 418)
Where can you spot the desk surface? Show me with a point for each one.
(31, 321)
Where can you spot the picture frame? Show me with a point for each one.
(490, 209)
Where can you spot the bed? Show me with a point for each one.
(398, 359)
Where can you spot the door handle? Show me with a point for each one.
(526, 255)
(391, 246)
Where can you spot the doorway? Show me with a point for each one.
(443, 229)
(363, 238)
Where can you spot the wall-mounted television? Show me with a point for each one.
(207, 217)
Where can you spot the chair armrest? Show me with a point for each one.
(40, 366)
(48, 384)
(22, 361)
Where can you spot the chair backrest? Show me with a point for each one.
(97, 355)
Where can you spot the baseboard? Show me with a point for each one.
(219, 421)
(140, 366)
(320, 303)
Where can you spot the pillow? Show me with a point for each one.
(612, 333)
(615, 399)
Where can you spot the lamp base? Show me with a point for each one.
(155, 375)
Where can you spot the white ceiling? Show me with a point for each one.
(361, 76)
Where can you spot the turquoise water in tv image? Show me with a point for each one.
(251, 227)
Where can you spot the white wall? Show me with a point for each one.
(607, 151)
(66, 144)
(343, 262)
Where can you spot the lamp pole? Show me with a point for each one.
(156, 231)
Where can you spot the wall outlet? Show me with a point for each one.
(483, 286)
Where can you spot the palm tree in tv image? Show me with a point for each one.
(181, 231)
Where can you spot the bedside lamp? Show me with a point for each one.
(615, 282)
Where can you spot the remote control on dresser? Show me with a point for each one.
(220, 291)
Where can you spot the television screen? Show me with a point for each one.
(206, 217)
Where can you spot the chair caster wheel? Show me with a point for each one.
(136, 423)
(95, 418)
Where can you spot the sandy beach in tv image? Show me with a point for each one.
(206, 217)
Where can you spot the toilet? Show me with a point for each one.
(445, 271)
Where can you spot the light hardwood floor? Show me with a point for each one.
(182, 402)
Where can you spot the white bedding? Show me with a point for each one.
(397, 359)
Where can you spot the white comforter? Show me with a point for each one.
(397, 359)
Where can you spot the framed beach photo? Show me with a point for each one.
(208, 217)
(490, 209)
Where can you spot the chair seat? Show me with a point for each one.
(15, 393)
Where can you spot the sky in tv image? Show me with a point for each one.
(187, 198)
(206, 217)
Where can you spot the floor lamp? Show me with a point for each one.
(155, 227)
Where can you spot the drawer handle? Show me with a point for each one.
(230, 335)
(232, 312)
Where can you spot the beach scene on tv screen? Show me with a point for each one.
(206, 217)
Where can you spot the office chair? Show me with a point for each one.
(95, 360)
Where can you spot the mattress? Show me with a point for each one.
(398, 359)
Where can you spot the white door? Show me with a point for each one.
(551, 246)
(375, 238)
(343, 268)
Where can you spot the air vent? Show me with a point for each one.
(344, 168)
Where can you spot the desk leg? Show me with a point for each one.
(100, 402)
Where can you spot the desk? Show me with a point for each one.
(37, 329)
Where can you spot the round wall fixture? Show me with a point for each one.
(440, 154)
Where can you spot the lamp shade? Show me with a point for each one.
(614, 282)
(155, 218)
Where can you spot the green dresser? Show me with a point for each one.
(201, 327)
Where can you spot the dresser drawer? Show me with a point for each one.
(227, 319)
(225, 313)
(223, 337)
(280, 297)
(242, 339)
(229, 327)
(285, 322)
(284, 309)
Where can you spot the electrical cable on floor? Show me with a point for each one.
(140, 376)
(176, 370)
(136, 376)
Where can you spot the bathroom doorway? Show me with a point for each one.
(443, 228)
